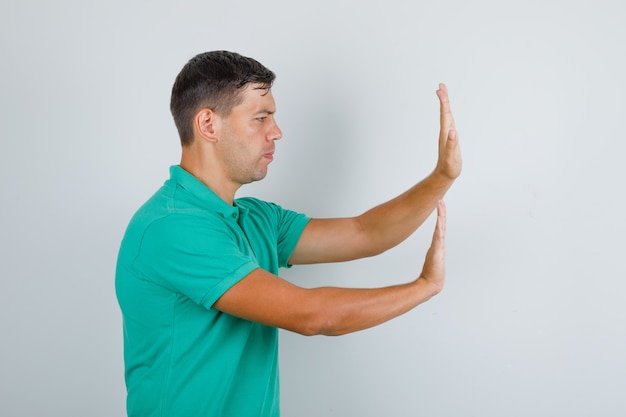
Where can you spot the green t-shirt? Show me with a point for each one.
(183, 249)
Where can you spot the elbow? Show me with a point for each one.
(316, 325)
(327, 328)
(319, 320)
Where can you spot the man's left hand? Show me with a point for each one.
(449, 162)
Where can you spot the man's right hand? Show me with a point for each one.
(434, 271)
(265, 298)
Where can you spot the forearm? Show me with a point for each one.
(338, 311)
(384, 226)
(390, 223)
(265, 298)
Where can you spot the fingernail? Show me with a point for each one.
(452, 134)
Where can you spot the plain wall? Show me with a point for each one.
(532, 320)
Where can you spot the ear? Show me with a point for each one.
(204, 124)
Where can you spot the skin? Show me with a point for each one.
(229, 151)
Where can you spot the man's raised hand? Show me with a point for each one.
(449, 161)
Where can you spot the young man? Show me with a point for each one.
(197, 269)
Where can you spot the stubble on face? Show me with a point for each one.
(247, 138)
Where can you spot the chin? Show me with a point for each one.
(257, 176)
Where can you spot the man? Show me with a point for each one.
(197, 269)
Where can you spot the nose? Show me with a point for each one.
(276, 133)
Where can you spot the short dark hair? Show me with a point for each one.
(213, 80)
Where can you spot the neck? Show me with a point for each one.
(208, 172)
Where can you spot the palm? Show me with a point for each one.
(434, 266)
(449, 162)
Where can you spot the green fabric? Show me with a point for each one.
(182, 250)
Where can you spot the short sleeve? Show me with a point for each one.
(197, 258)
(275, 226)
(290, 227)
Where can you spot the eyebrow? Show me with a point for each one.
(265, 111)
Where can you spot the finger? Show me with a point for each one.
(442, 93)
(446, 118)
(444, 102)
(442, 216)
(440, 228)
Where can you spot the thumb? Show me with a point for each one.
(452, 140)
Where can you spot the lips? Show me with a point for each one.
(269, 155)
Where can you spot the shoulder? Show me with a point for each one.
(159, 225)
(269, 211)
(260, 206)
(254, 204)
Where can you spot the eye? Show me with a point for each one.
(261, 119)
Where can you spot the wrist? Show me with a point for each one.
(438, 178)
(427, 288)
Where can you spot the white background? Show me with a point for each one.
(532, 320)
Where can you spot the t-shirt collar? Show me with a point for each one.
(205, 194)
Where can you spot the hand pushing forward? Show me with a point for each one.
(449, 162)
(434, 271)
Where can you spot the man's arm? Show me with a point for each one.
(384, 226)
(265, 298)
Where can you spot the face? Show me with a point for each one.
(246, 136)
